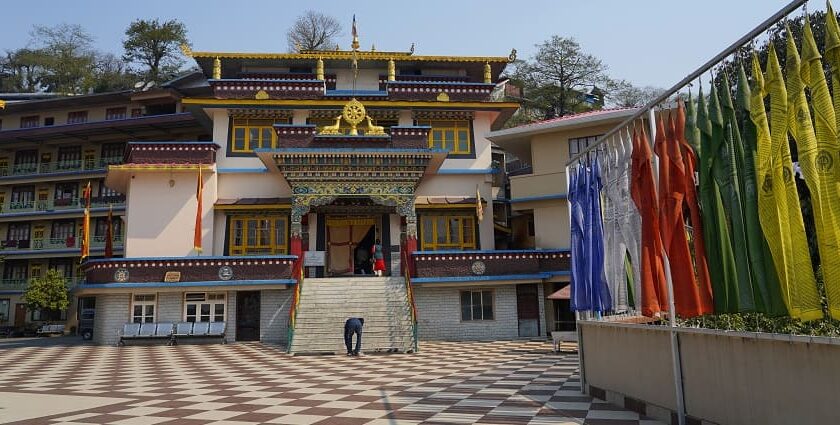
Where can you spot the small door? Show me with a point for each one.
(528, 309)
(20, 315)
(248, 316)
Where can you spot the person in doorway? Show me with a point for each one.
(378, 258)
(362, 260)
(352, 326)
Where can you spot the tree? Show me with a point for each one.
(313, 31)
(48, 293)
(61, 59)
(112, 74)
(155, 45)
(623, 94)
(561, 78)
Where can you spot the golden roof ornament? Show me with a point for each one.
(353, 113)
(2, 104)
(411, 50)
(355, 44)
(186, 49)
(512, 56)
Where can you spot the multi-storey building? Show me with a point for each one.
(51, 147)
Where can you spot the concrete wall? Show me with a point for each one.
(551, 225)
(170, 307)
(230, 328)
(439, 314)
(274, 315)
(160, 218)
(112, 311)
(732, 378)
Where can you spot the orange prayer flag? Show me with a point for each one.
(198, 193)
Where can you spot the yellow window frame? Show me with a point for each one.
(466, 231)
(255, 244)
(245, 128)
(454, 136)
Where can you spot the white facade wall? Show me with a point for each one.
(274, 315)
(112, 312)
(439, 314)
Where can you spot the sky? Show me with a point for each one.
(647, 42)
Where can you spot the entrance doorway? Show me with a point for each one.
(349, 243)
(20, 315)
(528, 309)
(248, 316)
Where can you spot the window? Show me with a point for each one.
(451, 135)
(77, 117)
(49, 121)
(18, 232)
(26, 161)
(578, 144)
(101, 227)
(22, 197)
(112, 153)
(63, 230)
(143, 308)
(63, 266)
(442, 232)
(15, 270)
(204, 307)
(249, 134)
(255, 235)
(69, 157)
(136, 112)
(4, 310)
(31, 121)
(476, 305)
(65, 193)
(115, 114)
(107, 192)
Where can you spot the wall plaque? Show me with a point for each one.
(315, 258)
(171, 277)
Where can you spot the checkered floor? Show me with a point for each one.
(445, 383)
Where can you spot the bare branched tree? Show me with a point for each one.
(313, 31)
(623, 94)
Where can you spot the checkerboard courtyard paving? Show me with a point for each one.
(511, 382)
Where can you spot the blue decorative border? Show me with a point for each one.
(212, 283)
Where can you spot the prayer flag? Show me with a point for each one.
(778, 197)
(109, 233)
(689, 160)
(654, 296)
(198, 212)
(86, 224)
(479, 209)
(718, 244)
(601, 300)
(768, 299)
(728, 176)
(832, 55)
(580, 296)
(818, 153)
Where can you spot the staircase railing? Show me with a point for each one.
(294, 307)
(410, 298)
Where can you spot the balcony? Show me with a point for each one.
(537, 187)
(58, 167)
(68, 205)
(45, 247)
(19, 285)
(434, 266)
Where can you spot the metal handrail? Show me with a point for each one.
(294, 307)
(409, 293)
(58, 166)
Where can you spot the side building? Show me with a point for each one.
(51, 147)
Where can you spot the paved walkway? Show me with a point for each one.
(446, 383)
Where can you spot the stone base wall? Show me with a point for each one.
(439, 314)
(112, 311)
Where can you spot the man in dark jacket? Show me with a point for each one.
(352, 326)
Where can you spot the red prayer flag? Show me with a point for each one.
(86, 224)
(109, 233)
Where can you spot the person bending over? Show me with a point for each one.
(352, 326)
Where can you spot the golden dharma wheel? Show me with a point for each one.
(354, 112)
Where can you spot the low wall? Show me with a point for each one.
(729, 378)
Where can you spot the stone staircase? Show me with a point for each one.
(326, 303)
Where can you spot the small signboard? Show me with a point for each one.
(315, 258)
(171, 277)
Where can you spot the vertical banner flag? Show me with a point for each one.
(86, 224)
(109, 233)
(198, 196)
(479, 209)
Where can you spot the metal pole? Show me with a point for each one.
(693, 76)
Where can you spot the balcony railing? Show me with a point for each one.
(62, 204)
(58, 166)
(56, 243)
(532, 263)
(21, 284)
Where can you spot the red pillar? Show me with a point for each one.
(296, 248)
(410, 247)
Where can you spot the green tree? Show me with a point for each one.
(48, 293)
(155, 45)
(66, 56)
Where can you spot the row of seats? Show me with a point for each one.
(172, 331)
(50, 330)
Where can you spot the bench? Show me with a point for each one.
(199, 330)
(146, 331)
(558, 337)
(46, 330)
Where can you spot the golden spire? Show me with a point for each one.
(217, 69)
(2, 104)
(355, 44)
(319, 69)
